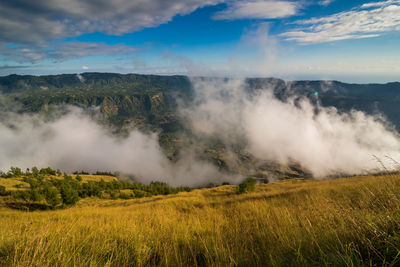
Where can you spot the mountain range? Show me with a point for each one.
(151, 103)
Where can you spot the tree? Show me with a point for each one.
(3, 191)
(52, 196)
(68, 194)
(247, 186)
(35, 195)
(15, 171)
(35, 171)
(48, 171)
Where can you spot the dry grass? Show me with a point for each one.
(89, 177)
(12, 184)
(353, 221)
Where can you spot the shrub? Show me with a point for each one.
(68, 194)
(3, 191)
(124, 196)
(16, 171)
(90, 189)
(48, 171)
(139, 193)
(113, 194)
(79, 178)
(35, 171)
(21, 194)
(247, 186)
(35, 195)
(52, 196)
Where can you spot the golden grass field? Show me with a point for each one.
(339, 222)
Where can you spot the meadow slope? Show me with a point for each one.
(339, 222)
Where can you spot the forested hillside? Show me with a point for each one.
(150, 103)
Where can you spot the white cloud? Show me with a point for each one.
(31, 27)
(80, 78)
(30, 31)
(355, 24)
(378, 4)
(85, 67)
(321, 139)
(62, 51)
(32, 141)
(258, 9)
(25, 21)
(325, 2)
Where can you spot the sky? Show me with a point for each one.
(351, 41)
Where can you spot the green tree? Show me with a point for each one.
(52, 196)
(35, 195)
(247, 186)
(3, 191)
(15, 171)
(35, 171)
(68, 194)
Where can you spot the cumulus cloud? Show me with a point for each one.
(24, 21)
(322, 140)
(76, 142)
(32, 31)
(258, 9)
(29, 29)
(370, 20)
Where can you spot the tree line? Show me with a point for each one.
(54, 190)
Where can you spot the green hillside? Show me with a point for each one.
(47, 189)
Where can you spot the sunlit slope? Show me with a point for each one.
(17, 183)
(348, 221)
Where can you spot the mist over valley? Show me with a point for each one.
(194, 131)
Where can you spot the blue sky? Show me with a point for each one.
(352, 41)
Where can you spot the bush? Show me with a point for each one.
(139, 193)
(248, 185)
(124, 196)
(68, 194)
(52, 196)
(47, 171)
(35, 195)
(3, 191)
(16, 171)
(113, 194)
(21, 194)
(68, 191)
(35, 171)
